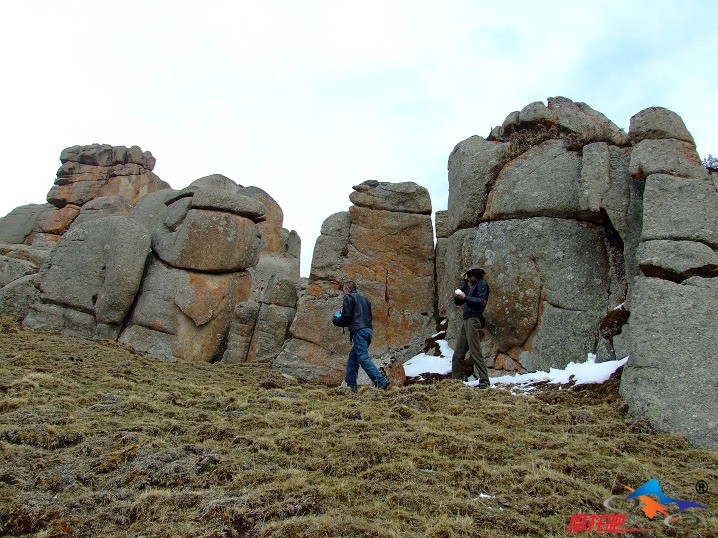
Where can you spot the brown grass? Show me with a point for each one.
(96, 440)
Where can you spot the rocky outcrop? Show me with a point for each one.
(384, 243)
(671, 331)
(594, 241)
(204, 241)
(96, 170)
(260, 321)
(21, 225)
(162, 270)
(93, 181)
(538, 205)
(88, 283)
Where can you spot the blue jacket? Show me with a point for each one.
(476, 298)
(356, 313)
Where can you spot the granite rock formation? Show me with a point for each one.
(671, 332)
(121, 256)
(594, 241)
(385, 244)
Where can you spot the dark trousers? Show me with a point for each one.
(359, 356)
(469, 340)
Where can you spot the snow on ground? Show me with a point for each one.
(578, 373)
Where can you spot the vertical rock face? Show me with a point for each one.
(89, 281)
(167, 272)
(200, 299)
(671, 332)
(538, 205)
(580, 228)
(260, 322)
(385, 244)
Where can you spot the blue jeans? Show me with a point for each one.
(359, 356)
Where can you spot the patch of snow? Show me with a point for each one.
(579, 373)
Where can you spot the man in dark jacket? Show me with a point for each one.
(473, 296)
(356, 315)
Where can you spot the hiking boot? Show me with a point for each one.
(384, 386)
(483, 385)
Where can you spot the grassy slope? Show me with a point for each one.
(96, 440)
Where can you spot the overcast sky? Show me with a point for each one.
(305, 99)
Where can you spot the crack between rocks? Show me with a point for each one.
(48, 301)
(155, 329)
(504, 219)
(406, 211)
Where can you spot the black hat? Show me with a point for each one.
(475, 270)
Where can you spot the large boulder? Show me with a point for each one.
(547, 206)
(543, 182)
(277, 267)
(670, 376)
(550, 288)
(89, 172)
(207, 230)
(565, 116)
(21, 225)
(12, 269)
(473, 167)
(200, 299)
(92, 276)
(17, 298)
(671, 330)
(104, 206)
(385, 244)
(184, 314)
(594, 241)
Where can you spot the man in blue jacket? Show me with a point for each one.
(473, 296)
(356, 315)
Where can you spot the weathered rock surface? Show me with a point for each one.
(89, 172)
(658, 123)
(444, 294)
(12, 269)
(18, 296)
(260, 324)
(673, 320)
(203, 241)
(544, 181)
(547, 206)
(570, 217)
(93, 274)
(670, 378)
(184, 314)
(103, 206)
(183, 241)
(21, 224)
(580, 119)
(550, 282)
(473, 167)
(385, 245)
(680, 209)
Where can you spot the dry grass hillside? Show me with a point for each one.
(96, 440)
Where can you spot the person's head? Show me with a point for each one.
(475, 274)
(349, 286)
